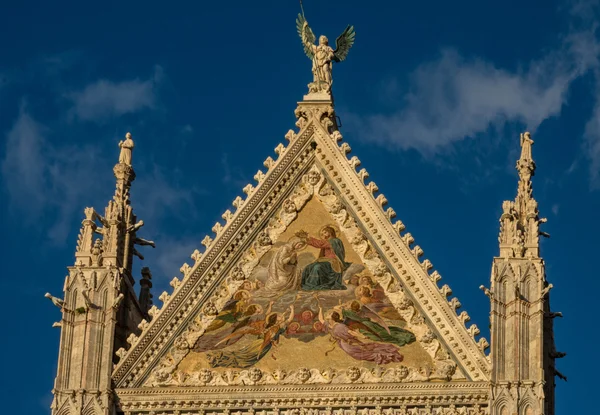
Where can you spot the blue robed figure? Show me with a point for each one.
(327, 271)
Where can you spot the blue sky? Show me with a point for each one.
(432, 99)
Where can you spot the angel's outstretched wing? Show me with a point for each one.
(239, 333)
(366, 312)
(306, 34)
(343, 44)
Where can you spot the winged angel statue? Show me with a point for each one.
(322, 55)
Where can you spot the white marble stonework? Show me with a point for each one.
(121, 354)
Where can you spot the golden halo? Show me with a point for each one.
(259, 309)
(237, 294)
(268, 316)
(332, 226)
(358, 290)
(328, 313)
(361, 276)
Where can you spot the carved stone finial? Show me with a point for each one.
(519, 222)
(126, 147)
(206, 241)
(526, 143)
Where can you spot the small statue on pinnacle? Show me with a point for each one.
(126, 147)
(323, 55)
(526, 143)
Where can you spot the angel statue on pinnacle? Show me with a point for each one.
(323, 55)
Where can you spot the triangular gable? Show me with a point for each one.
(313, 167)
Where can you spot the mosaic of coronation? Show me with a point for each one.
(310, 300)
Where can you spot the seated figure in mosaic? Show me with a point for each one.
(283, 273)
(327, 271)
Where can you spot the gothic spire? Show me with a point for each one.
(100, 310)
(125, 176)
(522, 339)
(118, 226)
(519, 223)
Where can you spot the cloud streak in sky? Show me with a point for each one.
(592, 140)
(44, 180)
(24, 163)
(157, 194)
(170, 255)
(455, 97)
(50, 179)
(105, 99)
(55, 181)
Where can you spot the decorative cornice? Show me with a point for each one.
(391, 258)
(197, 284)
(396, 250)
(325, 399)
(445, 388)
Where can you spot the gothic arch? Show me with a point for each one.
(505, 284)
(529, 270)
(529, 288)
(527, 410)
(90, 409)
(501, 405)
(505, 271)
(64, 410)
(504, 288)
(527, 405)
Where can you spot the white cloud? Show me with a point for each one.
(155, 194)
(104, 99)
(23, 167)
(160, 199)
(592, 140)
(48, 181)
(232, 175)
(55, 182)
(170, 255)
(455, 97)
(43, 180)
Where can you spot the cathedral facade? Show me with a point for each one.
(309, 297)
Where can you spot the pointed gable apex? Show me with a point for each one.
(314, 163)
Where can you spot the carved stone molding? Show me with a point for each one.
(402, 260)
(81, 401)
(313, 184)
(219, 256)
(333, 179)
(464, 397)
